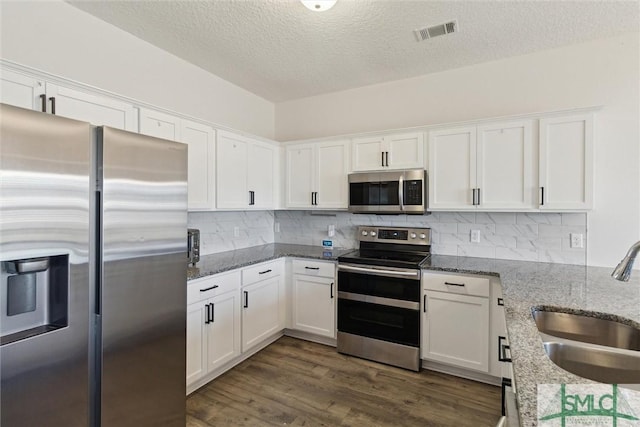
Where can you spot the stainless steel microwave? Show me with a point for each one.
(388, 192)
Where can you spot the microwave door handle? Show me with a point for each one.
(400, 192)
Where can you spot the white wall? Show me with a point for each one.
(56, 37)
(603, 72)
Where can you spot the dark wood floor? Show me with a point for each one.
(299, 383)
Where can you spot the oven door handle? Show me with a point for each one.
(380, 271)
(389, 302)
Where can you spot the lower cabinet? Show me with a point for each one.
(213, 324)
(455, 327)
(263, 302)
(314, 297)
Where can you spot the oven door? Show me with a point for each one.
(379, 302)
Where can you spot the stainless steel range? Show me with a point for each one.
(379, 295)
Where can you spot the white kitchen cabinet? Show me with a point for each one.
(455, 328)
(316, 175)
(489, 167)
(28, 92)
(201, 140)
(244, 172)
(566, 162)
(21, 90)
(396, 151)
(314, 297)
(213, 323)
(159, 124)
(499, 338)
(263, 302)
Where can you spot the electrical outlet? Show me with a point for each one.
(236, 231)
(577, 240)
(277, 227)
(475, 236)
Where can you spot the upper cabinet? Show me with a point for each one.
(317, 175)
(397, 151)
(201, 140)
(245, 172)
(489, 167)
(566, 162)
(85, 105)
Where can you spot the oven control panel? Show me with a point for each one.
(409, 236)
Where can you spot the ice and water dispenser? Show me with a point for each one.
(35, 297)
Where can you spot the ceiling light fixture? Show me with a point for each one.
(318, 5)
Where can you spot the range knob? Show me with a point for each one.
(423, 236)
(413, 235)
(365, 233)
(373, 234)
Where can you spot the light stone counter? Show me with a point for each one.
(525, 285)
(529, 284)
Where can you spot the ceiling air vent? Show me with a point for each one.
(436, 30)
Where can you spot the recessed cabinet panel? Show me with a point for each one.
(566, 162)
(196, 342)
(21, 91)
(201, 141)
(261, 311)
(314, 305)
(368, 153)
(456, 330)
(159, 125)
(223, 340)
(260, 181)
(231, 171)
(452, 168)
(300, 174)
(405, 151)
(505, 165)
(332, 170)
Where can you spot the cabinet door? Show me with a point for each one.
(231, 171)
(452, 168)
(566, 162)
(332, 166)
(201, 141)
(21, 91)
(261, 169)
(367, 153)
(405, 151)
(456, 330)
(261, 316)
(300, 175)
(314, 305)
(196, 342)
(159, 125)
(88, 107)
(223, 332)
(505, 166)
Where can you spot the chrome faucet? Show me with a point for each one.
(623, 269)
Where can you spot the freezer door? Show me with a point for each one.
(45, 164)
(143, 286)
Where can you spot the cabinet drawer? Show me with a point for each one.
(207, 287)
(260, 272)
(314, 268)
(465, 285)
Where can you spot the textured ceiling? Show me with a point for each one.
(280, 50)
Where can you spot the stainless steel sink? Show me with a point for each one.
(588, 329)
(602, 364)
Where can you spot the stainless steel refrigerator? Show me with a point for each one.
(93, 225)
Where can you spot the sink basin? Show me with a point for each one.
(587, 329)
(602, 364)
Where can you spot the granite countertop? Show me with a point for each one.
(230, 260)
(529, 284)
(524, 284)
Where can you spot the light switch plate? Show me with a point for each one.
(475, 236)
(236, 231)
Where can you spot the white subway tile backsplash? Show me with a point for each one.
(529, 230)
